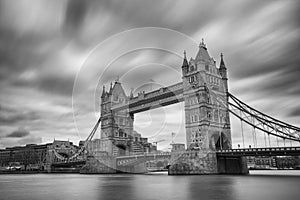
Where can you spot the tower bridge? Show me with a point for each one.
(207, 105)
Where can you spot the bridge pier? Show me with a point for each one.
(100, 164)
(206, 162)
(139, 168)
(232, 165)
(193, 162)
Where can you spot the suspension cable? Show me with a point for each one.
(254, 134)
(242, 131)
(265, 139)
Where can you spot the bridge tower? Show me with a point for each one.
(116, 126)
(205, 90)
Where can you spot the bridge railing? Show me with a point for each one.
(143, 155)
(133, 159)
(268, 151)
(261, 149)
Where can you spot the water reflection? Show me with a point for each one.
(96, 187)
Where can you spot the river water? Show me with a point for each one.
(259, 185)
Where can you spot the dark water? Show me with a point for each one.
(158, 186)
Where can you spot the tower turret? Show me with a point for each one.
(103, 93)
(223, 72)
(185, 65)
(111, 87)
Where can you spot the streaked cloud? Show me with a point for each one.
(56, 55)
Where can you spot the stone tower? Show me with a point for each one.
(205, 95)
(116, 127)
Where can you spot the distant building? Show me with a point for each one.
(279, 162)
(28, 156)
(178, 147)
(34, 156)
(261, 162)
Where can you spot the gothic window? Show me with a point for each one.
(192, 68)
(221, 117)
(216, 116)
(192, 118)
(116, 98)
(196, 118)
(208, 114)
(192, 79)
(121, 133)
(206, 67)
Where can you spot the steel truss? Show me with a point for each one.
(261, 121)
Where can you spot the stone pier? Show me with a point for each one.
(100, 164)
(205, 162)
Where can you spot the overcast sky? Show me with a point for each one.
(56, 55)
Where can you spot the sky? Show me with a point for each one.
(55, 56)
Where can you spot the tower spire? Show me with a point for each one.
(222, 63)
(103, 91)
(202, 44)
(110, 90)
(185, 64)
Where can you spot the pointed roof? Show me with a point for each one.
(185, 62)
(118, 89)
(103, 91)
(202, 53)
(110, 90)
(222, 63)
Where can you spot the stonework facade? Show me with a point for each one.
(117, 135)
(193, 162)
(203, 89)
(205, 96)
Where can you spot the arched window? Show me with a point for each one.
(216, 116)
(208, 114)
(206, 67)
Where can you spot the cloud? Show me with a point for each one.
(295, 112)
(30, 140)
(21, 132)
(43, 45)
(8, 115)
(74, 16)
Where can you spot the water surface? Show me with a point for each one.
(152, 186)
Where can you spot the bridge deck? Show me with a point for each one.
(270, 151)
(154, 99)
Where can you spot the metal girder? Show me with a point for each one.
(262, 121)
